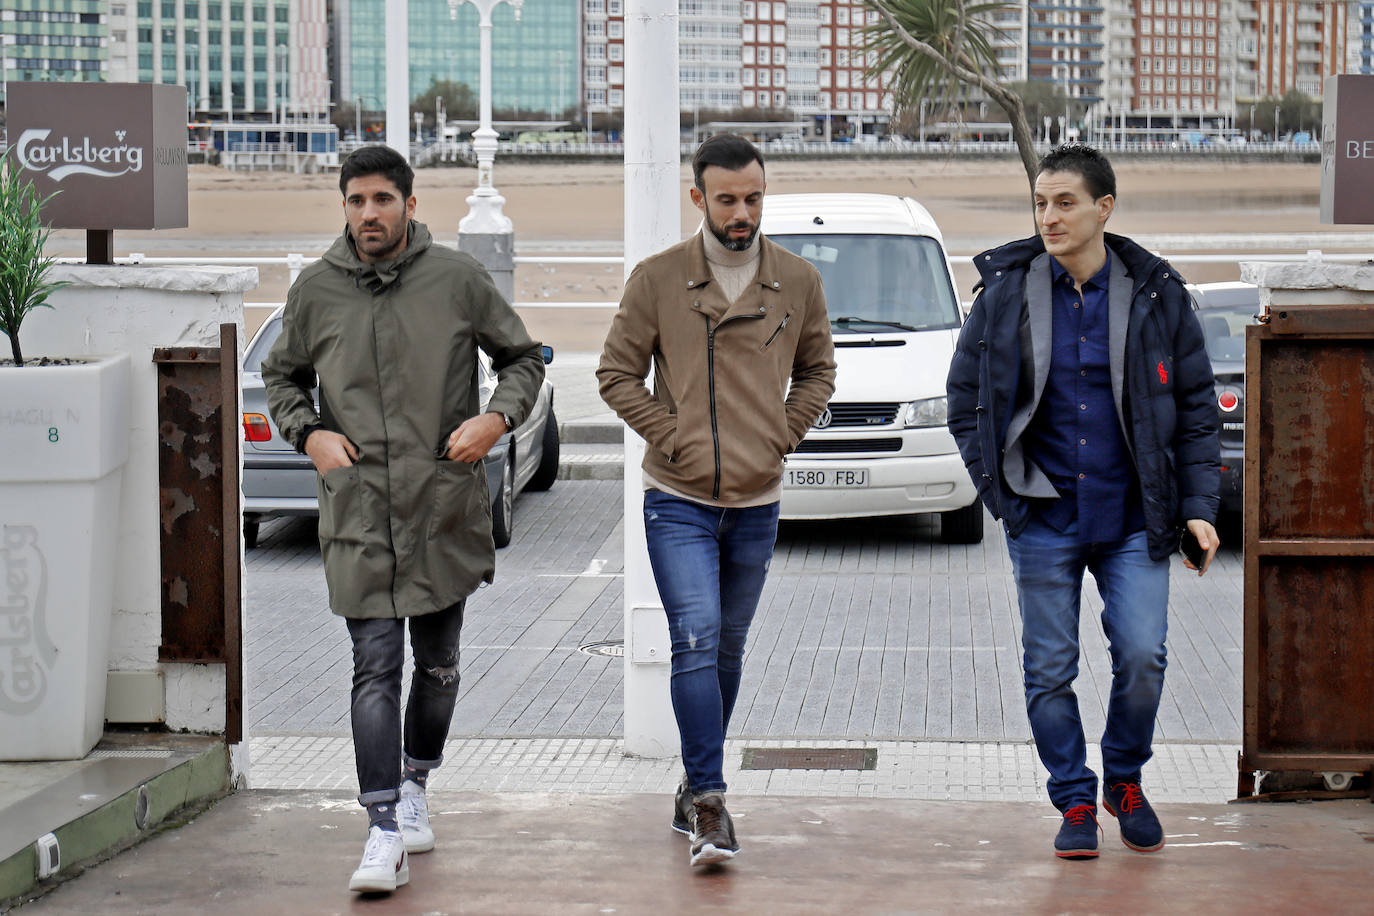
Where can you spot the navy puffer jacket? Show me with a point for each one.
(1169, 398)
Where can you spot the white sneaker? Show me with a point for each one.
(412, 813)
(385, 865)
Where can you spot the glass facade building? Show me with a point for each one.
(52, 39)
(224, 52)
(535, 63)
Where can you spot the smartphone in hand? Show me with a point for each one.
(1188, 546)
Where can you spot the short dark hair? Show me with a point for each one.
(726, 151)
(376, 159)
(1083, 160)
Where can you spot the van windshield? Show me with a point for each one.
(876, 283)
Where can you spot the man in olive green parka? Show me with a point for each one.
(389, 325)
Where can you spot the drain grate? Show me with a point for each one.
(810, 758)
(614, 648)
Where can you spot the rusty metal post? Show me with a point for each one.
(198, 467)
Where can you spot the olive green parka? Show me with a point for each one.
(393, 344)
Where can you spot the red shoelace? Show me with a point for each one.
(1131, 797)
(1077, 814)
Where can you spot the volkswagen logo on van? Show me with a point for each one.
(824, 419)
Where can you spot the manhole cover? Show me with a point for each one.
(612, 648)
(810, 758)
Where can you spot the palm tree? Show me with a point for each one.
(935, 46)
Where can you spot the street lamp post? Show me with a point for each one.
(484, 206)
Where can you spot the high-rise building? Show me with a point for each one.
(534, 62)
(52, 41)
(239, 58)
(1362, 37)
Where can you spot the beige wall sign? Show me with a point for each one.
(116, 152)
(1348, 150)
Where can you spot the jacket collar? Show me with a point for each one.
(378, 275)
(1018, 255)
(699, 269)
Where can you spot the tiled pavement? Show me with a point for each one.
(868, 631)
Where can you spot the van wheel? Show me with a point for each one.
(503, 508)
(250, 534)
(962, 526)
(547, 472)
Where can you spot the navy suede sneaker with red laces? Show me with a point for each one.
(1140, 828)
(1078, 832)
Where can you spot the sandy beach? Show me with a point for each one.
(562, 206)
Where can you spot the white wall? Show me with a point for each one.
(133, 310)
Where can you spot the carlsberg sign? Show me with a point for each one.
(115, 151)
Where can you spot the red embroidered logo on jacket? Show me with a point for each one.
(1163, 373)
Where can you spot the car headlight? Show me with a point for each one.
(929, 412)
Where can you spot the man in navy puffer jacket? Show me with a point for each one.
(1082, 400)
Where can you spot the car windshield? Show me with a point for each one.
(252, 360)
(876, 283)
(1224, 329)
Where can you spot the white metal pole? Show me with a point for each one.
(485, 214)
(653, 221)
(398, 76)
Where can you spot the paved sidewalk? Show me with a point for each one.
(564, 853)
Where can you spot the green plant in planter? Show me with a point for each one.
(24, 284)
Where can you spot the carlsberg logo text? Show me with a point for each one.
(27, 652)
(73, 156)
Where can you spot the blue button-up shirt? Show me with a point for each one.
(1075, 436)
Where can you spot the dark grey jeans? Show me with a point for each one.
(378, 657)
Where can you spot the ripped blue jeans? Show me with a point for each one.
(710, 565)
(378, 657)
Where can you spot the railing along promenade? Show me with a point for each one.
(295, 262)
(438, 153)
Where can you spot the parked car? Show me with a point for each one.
(882, 446)
(278, 480)
(1224, 309)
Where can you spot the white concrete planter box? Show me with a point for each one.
(64, 438)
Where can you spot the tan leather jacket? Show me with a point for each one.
(721, 415)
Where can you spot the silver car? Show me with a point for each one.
(278, 480)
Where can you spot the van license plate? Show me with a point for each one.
(828, 477)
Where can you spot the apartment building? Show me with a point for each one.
(236, 58)
(52, 41)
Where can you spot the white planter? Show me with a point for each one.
(64, 438)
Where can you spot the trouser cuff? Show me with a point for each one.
(416, 763)
(378, 797)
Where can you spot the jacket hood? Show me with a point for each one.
(1017, 255)
(377, 276)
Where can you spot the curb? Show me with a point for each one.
(591, 467)
(189, 781)
(581, 432)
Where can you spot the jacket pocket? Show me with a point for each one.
(459, 498)
(776, 332)
(341, 513)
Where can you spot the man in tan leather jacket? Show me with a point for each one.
(736, 331)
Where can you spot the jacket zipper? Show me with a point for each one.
(711, 388)
(774, 336)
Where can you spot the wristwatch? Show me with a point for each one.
(510, 424)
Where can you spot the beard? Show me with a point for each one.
(722, 234)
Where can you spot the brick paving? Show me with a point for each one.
(869, 630)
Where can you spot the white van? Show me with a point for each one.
(881, 447)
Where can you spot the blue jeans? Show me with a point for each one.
(1048, 566)
(378, 656)
(709, 565)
